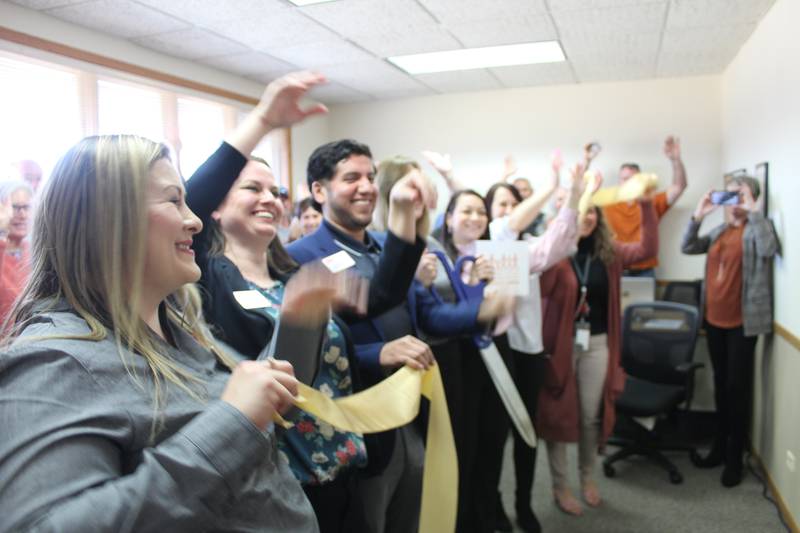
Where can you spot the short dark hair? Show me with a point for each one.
(632, 166)
(323, 161)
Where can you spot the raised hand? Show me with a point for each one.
(704, 207)
(279, 106)
(494, 305)
(672, 148)
(441, 162)
(509, 167)
(556, 162)
(309, 294)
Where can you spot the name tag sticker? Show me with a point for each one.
(582, 334)
(251, 299)
(338, 262)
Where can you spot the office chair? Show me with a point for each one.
(658, 341)
(684, 292)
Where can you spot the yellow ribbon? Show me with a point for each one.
(392, 403)
(632, 189)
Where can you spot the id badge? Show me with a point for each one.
(583, 332)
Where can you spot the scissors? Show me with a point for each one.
(491, 356)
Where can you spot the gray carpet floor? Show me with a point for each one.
(640, 499)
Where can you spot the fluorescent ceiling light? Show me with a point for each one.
(308, 2)
(489, 56)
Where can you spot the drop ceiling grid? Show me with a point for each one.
(349, 39)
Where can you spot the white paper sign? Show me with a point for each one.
(251, 299)
(511, 268)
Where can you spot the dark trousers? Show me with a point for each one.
(528, 371)
(493, 422)
(732, 356)
(337, 505)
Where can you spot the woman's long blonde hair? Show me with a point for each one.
(390, 171)
(88, 250)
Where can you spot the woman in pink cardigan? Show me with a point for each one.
(15, 208)
(581, 332)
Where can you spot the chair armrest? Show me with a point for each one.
(688, 369)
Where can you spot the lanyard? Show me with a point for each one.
(582, 310)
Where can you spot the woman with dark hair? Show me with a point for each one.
(511, 215)
(737, 309)
(308, 217)
(581, 332)
(448, 327)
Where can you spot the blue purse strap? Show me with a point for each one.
(463, 291)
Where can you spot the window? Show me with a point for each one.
(41, 113)
(127, 108)
(202, 127)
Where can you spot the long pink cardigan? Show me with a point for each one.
(557, 410)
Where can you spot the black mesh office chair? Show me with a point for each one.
(658, 341)
(684, 292)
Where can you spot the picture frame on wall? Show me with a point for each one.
(762, 175)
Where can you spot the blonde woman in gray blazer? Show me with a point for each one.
(119, 412)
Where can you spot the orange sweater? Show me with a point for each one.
(14, 271)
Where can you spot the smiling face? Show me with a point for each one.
(467, 222)
(524, 187)
(310, 220)
(348, 198)
(588, 223)
(169, 259)
(252, 210)
(503, 203)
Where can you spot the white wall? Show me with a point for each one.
(629, 119)
(761, 122)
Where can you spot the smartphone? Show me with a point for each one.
(725, 197)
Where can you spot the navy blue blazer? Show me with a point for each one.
(392, 283)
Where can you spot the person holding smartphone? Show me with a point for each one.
(737, 309)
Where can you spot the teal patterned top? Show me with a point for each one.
(315, 451)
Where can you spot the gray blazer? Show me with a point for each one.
(760, 244)
(77, 452)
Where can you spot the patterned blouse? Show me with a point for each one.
(316, 451)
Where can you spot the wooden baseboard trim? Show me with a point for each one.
(784, 510)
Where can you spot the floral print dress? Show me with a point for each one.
(315, 451)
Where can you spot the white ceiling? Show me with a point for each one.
(348, 40)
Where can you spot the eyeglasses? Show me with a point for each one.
(21, 208)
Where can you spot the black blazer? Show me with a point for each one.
(248, 331)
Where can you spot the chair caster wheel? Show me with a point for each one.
(675, 478)
(609, 470)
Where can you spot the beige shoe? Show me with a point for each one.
(567, 502)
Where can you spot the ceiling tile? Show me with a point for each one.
(615, 48)
(384, 27)
(528, 75)
(321, 54)
(45, 4)
(697, 13)
(640, 18)
(693, 64)
(334, 93)
(251, 63)
(460, 11)
(371, 76)
(706, 40)
(570, 5)
(204, 12)
(410, 92)
(121, 18)
(282, 28)
(466, 80)
(191, 44)
(497, 31)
